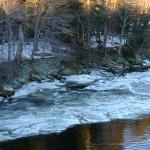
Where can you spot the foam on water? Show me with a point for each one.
(131, 81)
(124, 97)
(33, 87)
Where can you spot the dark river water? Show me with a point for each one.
(114, 135)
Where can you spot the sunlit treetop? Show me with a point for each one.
(87, 4)
(142, 5)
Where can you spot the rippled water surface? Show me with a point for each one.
(114, 135)
(48, 107)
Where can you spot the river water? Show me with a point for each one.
(114, 135)
(49, 107)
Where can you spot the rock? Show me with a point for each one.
(66, 72)
(20, 81)
(80, 81)
(43, 77)
(7, 91)
(139, 59)
(122, 61)
(2, 78)
(73, 85)
(1, 88)
(118, 66)
(136, 60)
(49, 77)
(14, 84)
(35, 78)
(57, 76)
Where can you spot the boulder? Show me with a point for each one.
(139, 59)
(7, 91)
(2, 78)
(66, 72)
(118, 66)
(49, 77)
(80, 81)
(20, 81)
(1, 88)
(74, 85)
(57, 76)
(35, 78)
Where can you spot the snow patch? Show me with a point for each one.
(44, 48)
(112, 41)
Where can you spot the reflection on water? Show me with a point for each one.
(115, 135)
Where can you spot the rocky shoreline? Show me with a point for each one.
(14, 76)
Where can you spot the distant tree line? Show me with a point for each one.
(36, 19)
(102, 22)
(75, 22)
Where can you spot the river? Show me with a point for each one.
(114, 135)
(111, 112)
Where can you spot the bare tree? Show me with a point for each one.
(19, 45)
(8, 6)
(124, 24)
(124, 16)
(41, 11)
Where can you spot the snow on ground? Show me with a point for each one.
(44, 48)
(112, 41)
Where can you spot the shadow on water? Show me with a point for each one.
(115, 135)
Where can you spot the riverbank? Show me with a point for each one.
(55, 67)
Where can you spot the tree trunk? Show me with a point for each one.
(9, 37)
(105, 37)
(121, 39)
(19, 46)
(36, 36)
(122, 31)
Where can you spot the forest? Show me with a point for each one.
(103, 27)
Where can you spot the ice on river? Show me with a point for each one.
(40, 108)
(137, 82)
(33, 87)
